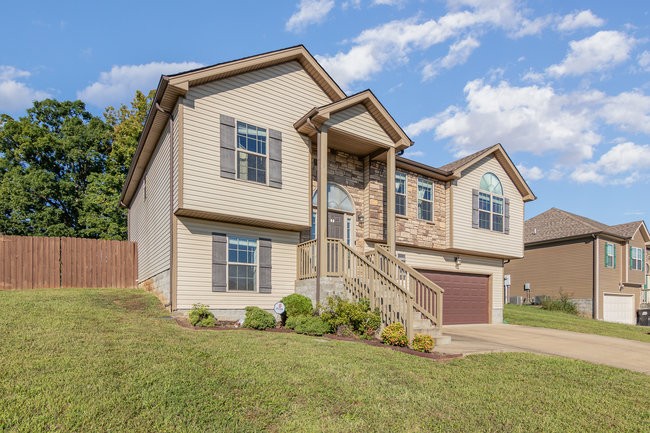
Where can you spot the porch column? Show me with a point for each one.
(321, 211)
(390, 199)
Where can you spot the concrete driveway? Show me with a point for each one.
(616, 352)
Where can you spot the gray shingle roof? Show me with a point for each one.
(462, 161)
(558, 224)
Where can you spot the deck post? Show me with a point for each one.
(321, 216)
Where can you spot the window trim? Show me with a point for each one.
(256, 264)
(405, 194)
(266, 155)
(612, 264)
(422, 180)
(491, 213)
(639, 259)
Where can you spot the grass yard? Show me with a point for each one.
(535, 316)
(111, 360)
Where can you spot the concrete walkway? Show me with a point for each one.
(616, 352)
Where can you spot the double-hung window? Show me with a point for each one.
(425, 199)
(242, 264)
(610, 255)
(636, 258)
(400, 194)
(491, 209)
(251, 152)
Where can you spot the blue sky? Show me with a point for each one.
(563, 85)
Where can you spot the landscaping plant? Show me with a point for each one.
(342, 314)
(395, 335)
(256, 318)
(422, 343)
(297, 305)
(563, 304)
(200, 316)
(311, 325)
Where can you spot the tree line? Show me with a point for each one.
(62, 168)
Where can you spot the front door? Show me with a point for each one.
(335, 225)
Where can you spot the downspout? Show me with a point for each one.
(172, 276)
(596, 277)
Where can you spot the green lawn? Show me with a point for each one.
(535, 316)
(111, 360)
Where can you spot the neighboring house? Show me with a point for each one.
(602, 268)
(223, 200)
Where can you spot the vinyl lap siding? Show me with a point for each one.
(467, 238)
(357, 120)
(431, 260)
(274, 98)
(149, 219)
(195, 265)
(176, 138)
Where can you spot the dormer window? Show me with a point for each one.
(490, 208)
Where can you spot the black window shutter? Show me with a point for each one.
(475, 208)
(506, 217)
(265, 265)
(219, 262)
(227, 146)
(275, 158)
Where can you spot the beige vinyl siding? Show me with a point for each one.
(432, 260)
(149, 218)
(272, 98)
(358, 121)
(549, 268)
(465, 237)
(175, 141)
(195, 265)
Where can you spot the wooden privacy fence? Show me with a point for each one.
(36, 262)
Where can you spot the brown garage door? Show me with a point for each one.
(465, 299)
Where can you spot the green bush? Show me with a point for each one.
(422, 343)
(297, 305)
(395, 335)
(340, 314)
(563, 304)
(257, 318)
(312, 325)
(201, 316)
(294, 321)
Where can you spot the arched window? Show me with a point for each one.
(337, 199)
(491, 209)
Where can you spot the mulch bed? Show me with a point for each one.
(233, 326)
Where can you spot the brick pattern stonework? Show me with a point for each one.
(365, 181)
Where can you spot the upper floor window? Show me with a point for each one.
(490, 207)
(242, 264)
(425, 199)
(636, 258)
(610, 255)
(400, 194)
(251, 152)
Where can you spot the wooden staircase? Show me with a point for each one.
(399, 292)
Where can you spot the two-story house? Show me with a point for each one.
(225, 203)
(601, 268)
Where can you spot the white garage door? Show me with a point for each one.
(619, 308)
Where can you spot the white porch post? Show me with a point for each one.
(390, 199)
(321, 211)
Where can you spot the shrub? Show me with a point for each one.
(340, 314)
(294, 321)
(312, 325)
(201, 316)
(297, 305)
(257, 318)
(395, 335)
(563, 304)
(422, 343)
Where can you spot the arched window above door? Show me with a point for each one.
(337, 199)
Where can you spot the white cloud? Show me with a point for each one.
(530, 173)
(413, 153)
(388, 2)
(598, 52)
(120, 83)
(457, 55)
(628, 110)
(309, 12)
(623, 164)
(394, 41)
(578, 20)
(532, 119)
(644, 60)
(15, 95)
